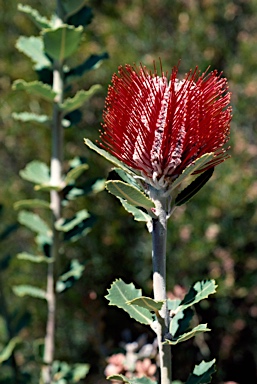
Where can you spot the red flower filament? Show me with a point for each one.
(160, 125)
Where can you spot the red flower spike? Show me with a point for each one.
(160, 125)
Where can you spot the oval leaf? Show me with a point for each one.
(40, 21)
(61, 42)
(34, 222)
(37, 172)
(33, 47)
(79, 99)
(34, 258)
(24, 290)
(148, 303)
(35, 88)
(129, 193)
(31, 203)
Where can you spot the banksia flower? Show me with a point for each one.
(158, 125)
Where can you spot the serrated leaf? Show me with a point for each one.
(202, 373)
(35, 88)
(199, 291)
(109, 157)
(34, 222)
(192, 168)
(194, 187)
(188, 335)
(61, 42)
(148, 303)
(79, 99)
(120, 293)
(28, 116)
(33, 47)
(39, 21)
(6, 353)
(34, 258)
(74, 173)
(129, 193)
(67, 280)
(65, 225)
(138, 214)
(37, 172)
(31, 203)
(29, 290)
(136, 380)
(91, 62)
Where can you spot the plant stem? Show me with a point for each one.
(159, 238)
(55, 203)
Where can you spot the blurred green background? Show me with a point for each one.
(213, 236)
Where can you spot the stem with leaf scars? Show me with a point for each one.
(159, 238)
(55, 203)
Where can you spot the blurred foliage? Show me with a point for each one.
(214, 236)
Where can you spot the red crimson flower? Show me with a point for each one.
(158, 124)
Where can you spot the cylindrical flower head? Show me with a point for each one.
(159, 125)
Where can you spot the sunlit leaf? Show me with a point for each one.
(61, 42)
(34, 222)
(31, 203)
(35, 88)
(179, 323)
(66, 225)
(79, 99)
(6, 353)
(67, 280)
(37, 172)
(28, 116)
(188, 335)
(29, 290)
(120, 293)
(129, 193)
(109, 157)
(74, 173)
(148, 303)
(138, 214)
(34, 258)
(202, 373)
(33, 47)
(40, 21)
(199, 291)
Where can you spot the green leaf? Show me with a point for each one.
(200, 291)
(33, 47)
(202, 373)
(83, 17)
(8, 350)
(188, 335)
(64, 373)
(34, 222)
(138, 214)
(31, 203)
(109, 157)
(129, 193)
(71, 6)
(180, 322)
(67, 280)
(148, 303)
(92, 62)
(74, 173)
(194, 187)
(24, 290)
(120, 174)
(66, 225)
(37, 172)
(35, 88)
(79, 99)
(34, 258)
(136, 380)
(40, 21)
(120, 293)
(27, 117)
(61, 42)
(192, 168)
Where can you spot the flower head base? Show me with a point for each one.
(159, 125)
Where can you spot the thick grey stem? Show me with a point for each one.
(55, 202)
(159, 237)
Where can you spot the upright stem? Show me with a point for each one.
(159, 237)
(55, 203)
